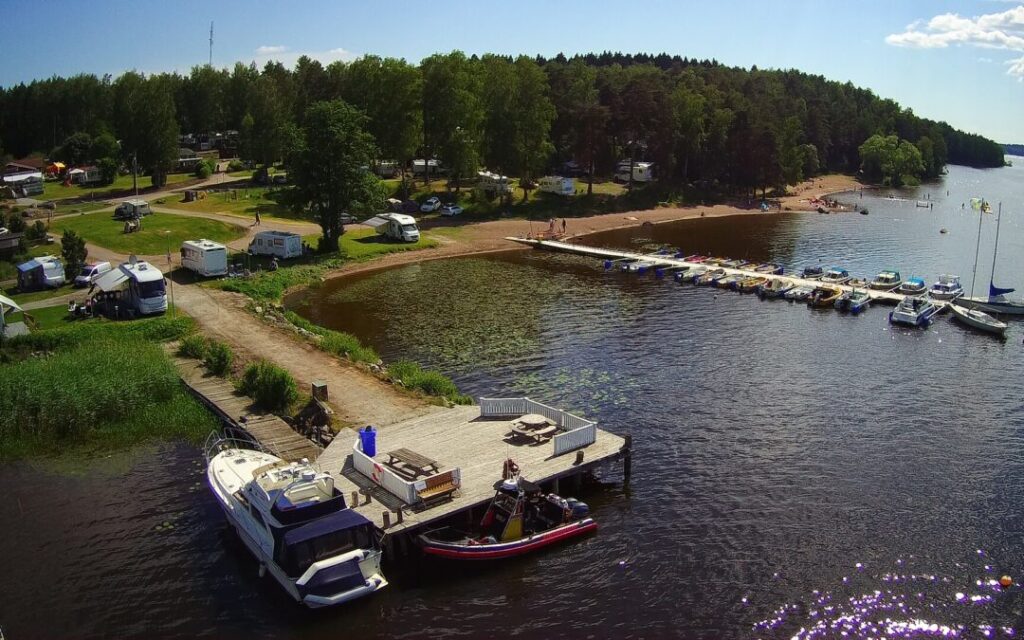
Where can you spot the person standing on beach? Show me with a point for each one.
(257, 223)
(563, 226)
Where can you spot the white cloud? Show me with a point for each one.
(1002, 30)
(286, 56)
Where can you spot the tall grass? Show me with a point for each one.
(269, 385)
(413, 376)
(110, 392)
(151, 330)
(271, 285)
(218, 358)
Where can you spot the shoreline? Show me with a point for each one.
(481, 238)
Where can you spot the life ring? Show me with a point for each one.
(378, 471)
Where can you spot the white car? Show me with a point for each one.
(432, 204)
(451, 210)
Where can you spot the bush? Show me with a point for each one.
(432, 383)
(218, 358)
(269, 385)
(37, 232)
(203, 169)
(193, 346)
(236, 165)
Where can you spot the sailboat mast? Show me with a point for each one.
(977, 248)
(995, 250)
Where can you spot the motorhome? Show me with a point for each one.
(492, 183)
(557, 185)
(642, 171)
(130, 209)
(395, 226)
(281, 244)
(134, 288)
(90, 272)
(420, 166)
(387, 169)
(205, 257)
(44, 272)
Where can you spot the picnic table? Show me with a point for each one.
(415, 461)
(534, 425)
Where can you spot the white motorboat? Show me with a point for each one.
(912, 287)
(799, 293)
(835, 275)
(978, 320)
(947, 288)
(887, 280)
(296, 523)
(913, 311)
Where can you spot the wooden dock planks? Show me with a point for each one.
(237, 411)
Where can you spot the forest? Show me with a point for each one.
(707, 127)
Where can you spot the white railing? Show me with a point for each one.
(575, 432)
(382, 476)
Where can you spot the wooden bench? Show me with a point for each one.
(438, 487)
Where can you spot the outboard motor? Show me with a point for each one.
(579, 509)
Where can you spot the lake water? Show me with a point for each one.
(795, 472)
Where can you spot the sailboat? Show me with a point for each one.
(969, 314)
(996, 302)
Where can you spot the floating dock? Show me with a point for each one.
(668, 261)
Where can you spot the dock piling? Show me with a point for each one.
(386, 519)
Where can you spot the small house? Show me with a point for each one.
(187, 160)
(40, 273)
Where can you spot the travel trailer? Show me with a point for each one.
(281, 244)
(205, 257)
(558, 185)
(642, 171)
(395, 226)
(132, 209)
(492, 183)
(44, 272)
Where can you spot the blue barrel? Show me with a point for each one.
(368, 440)
(607, 264)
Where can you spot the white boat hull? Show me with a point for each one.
(978, 320)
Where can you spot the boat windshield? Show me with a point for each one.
(296, 558)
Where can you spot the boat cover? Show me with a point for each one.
(337, 521)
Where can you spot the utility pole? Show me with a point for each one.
(135, 173)
(211, 44)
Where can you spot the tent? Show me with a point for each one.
(14, 328)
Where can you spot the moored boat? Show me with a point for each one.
(769, 268)
(751, 283)
(854, 301)
(946, 288)
(691, 274)
(914, 311)
(295, 521)
(836, 275)
(731, 263)
(858, 283)
(695, 258)
(681, 273)
(799, 293)
(887, 280)
(774, 288)
(812, 273)
(709, 277)
(978, 320)
(639, 266)
(912, 287)
(520, 519)
(730, 281)
(824, 296)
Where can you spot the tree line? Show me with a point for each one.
(708, 127)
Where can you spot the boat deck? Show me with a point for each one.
(237, 411)
(456, 437)
(887, 297)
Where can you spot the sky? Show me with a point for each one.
(958, 61)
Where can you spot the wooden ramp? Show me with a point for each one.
(238, 412)
(457, 438)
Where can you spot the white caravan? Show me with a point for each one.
(642, 172)
(282, 244)
(395, 226)
(205, 257)
(558, 185)
(493, 183)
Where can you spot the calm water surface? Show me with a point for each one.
(794, 470)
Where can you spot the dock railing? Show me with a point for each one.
(574, 432)
(405, 490)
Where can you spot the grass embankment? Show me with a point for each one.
(122, 184)
(160, 232)
(102, 386)
(271, 203)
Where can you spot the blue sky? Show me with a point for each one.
(962, 62)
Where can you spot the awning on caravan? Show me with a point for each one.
(113, 280)
(376, 221)
(6, 304)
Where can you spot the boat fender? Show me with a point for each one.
(579, 510)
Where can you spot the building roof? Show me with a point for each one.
(34, 163)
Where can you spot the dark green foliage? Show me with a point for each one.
(218, 358)
(15, 223)
(73, 252)
(75, 150)
(151, 329)
(236, 165)
(204, 169)
(432, 383)
(193, 346)
(269, 385)
(37, 232)
(108, 169)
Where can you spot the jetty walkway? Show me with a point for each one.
(668, 261)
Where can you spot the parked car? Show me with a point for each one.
(451, 210)
(431, 204)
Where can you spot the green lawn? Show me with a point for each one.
(42, 294)
(57, 190)
(269, 201)
(160, 232)
(365, 244)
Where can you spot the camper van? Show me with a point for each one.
(44, 272)
(395, 226)
(130, 209)
(420, 166)
(138, 288)
(492, 183)
(90, 272)
(642, 171)
(557, 185)
(205, 257)
(281, 244)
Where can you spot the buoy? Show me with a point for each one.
(1006, 582)
(943, 230)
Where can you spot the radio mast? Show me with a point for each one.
(211, 43)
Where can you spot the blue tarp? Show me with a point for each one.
(337, 521)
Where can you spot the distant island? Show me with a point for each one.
(1014, 149)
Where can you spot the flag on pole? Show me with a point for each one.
(980, 204)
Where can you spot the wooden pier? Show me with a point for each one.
(668, 261)
(237, 413)
(458, 438)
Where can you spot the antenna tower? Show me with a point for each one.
(211, 43)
